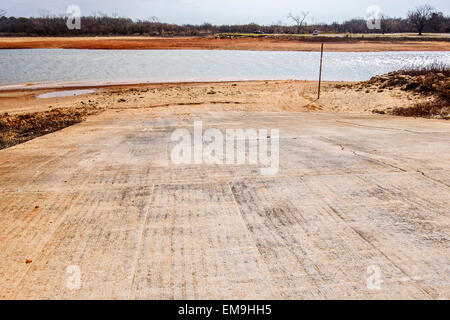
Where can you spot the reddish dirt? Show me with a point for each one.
(215, 44)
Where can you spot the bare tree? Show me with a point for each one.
(45, 14)
(2, 13)
(299, 20)
(385, 23)
(103, 24)
(438, 22)
(153, 19)
(420, 17)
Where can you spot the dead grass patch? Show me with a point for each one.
(19, 128)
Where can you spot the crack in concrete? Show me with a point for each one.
(384, 162)
(384, 128)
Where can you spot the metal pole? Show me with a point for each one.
(320, 73)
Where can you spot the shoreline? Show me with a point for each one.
(236, 43)
(43, 86)
(259, 95)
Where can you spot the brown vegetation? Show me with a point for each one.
(103, 24)
(19, 128)
(432, 81)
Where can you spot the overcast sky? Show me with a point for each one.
(222, 11)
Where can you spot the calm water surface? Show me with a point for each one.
(62, 65)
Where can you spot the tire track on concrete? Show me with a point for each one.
(244, 225)
(39, 252)
(140, 245)
(381, 252)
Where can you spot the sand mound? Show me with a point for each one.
(434, 83)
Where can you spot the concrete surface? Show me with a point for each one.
(353, 193)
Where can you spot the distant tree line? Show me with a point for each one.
(421, 19)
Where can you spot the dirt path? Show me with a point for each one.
(223, 44)
(354, 194)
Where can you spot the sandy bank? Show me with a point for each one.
(24, 116)
(280, 95)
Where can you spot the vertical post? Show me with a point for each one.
(320, 72)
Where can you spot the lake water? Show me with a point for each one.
(63, 65)
(65, 93)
